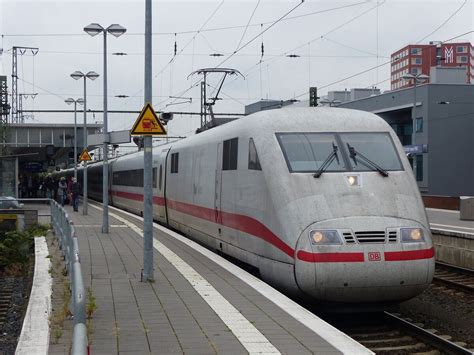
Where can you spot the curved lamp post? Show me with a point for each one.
(417, 79)
(92, 75)
(115, 30)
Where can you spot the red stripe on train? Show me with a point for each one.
(409, 255)
(253, 227)
(330, 257)
(239, 222)
(137, 197)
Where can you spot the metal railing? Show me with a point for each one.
(66, 235)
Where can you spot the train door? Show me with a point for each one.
(218, 185)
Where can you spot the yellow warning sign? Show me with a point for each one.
(148, 123)
(85, 156)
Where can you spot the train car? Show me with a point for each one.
(322, 201)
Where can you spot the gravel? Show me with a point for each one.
(447, 310)
(10, 330)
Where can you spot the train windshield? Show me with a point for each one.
(376, 147)
(306, 152)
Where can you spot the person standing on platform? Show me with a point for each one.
(62, 187)
(69, 190)
(76, 190)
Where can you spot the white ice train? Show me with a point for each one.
(322, 201)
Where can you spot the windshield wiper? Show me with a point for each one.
(333, 155)
(355, 155)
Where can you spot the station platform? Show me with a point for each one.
(448, 222)
(199, 302)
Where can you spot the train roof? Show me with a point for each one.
(295, 119)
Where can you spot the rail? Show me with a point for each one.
(66, 234)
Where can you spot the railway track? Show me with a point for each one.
(387, 333)
(455, 277)
(6, 292)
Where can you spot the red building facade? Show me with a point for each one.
(419, 58)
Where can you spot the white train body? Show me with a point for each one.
(333, 238)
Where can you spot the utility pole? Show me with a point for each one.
(22, 51)
(148, 159)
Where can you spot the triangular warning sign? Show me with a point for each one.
(148, 123)
(85, 156)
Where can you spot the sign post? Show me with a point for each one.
(148, 125)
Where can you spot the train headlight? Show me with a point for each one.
(412, 235)
(325, 237)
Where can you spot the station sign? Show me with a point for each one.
(416, 149)
(148, 123)
(32, 166)
(85, 156)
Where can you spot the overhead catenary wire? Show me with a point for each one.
(190, 31)
(247, 26)
(314, 39)
(183, 48)
(251, 40)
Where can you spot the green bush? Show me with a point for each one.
(17, 247)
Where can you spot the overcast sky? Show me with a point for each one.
(333, 39)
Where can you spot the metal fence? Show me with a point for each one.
(66, 234)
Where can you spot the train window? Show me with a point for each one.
(174, 163)
(306, 152)
(128, 177)
(160, 178)
(254, 162)
(154, 177)
(377, 147)
(229, 154)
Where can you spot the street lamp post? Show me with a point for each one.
(116, 30)
(92, 76)
(417, 79)
(79, 101)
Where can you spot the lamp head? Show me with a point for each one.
(92, 75)
(93, 29)
(80, 101)
(408, 77)
(77, 75)
(422, 77)
(116, 30)
(69, 101)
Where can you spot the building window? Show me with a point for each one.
(416, 51)
(254, 162)
(229, 155)
(174, 163)
(419, 124)
(414, 71)
(461, 49)
(461, 59)
(416, 61)
(419, 167)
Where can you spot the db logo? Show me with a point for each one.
(374, 256)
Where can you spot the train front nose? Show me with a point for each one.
(354, 265)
